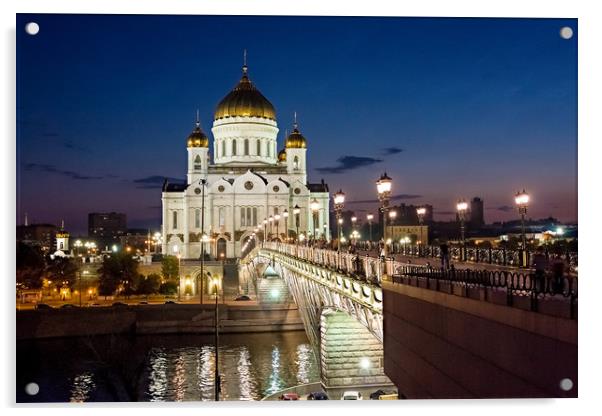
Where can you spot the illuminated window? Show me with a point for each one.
(221, 216)
(296, 162)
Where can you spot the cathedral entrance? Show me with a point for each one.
(221, 248)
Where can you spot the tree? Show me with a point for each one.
(170, 267)
(30, 266)
(118, 269)
(147, 285)
(169, 287)
(62, 271)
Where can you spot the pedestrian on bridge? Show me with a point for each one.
(540, 263)
(444, 248)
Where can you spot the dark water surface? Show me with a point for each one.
(163, 368)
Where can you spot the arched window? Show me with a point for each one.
(254, 216)
(197, 162)
(223, 148)
(234, 147)
(296, 162)
(174, 220)
(258, 147)
(246, 147)
(221, 216)
(197, 218)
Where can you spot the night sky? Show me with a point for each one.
(448, 107)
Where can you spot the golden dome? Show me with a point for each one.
(245, 101)
(295, 140)
(197, 138)
(282, 155)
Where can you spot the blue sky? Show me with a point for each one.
(448, 107)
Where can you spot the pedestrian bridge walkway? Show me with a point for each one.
(447, 333)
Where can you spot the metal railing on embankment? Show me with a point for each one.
(514, 288)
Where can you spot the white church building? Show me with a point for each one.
(245, 180)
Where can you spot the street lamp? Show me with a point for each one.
(271, 221)
(265, 229)
(462, 207)
(315, 206)
(370, 217)
(383, 187)
(285, 215)
(339, 203)
(217, 375)
(296, 212)
(277, 218)
(204, 239)
(421, 212)
(522, 202)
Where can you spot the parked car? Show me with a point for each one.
(119, 304)
(43, 306)
(317, 395)
(381, 394)
(95, 304)
(243, 297)
(352, 395)
(289, 396)
(68, 306)
(143, 302)
(170, 302)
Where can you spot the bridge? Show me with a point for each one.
(433, 333)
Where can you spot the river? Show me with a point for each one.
(163, 368)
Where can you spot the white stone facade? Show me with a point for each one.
(245, 184)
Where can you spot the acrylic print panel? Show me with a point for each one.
(364, 209)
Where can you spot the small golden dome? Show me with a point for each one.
(282, 155)
(245, 100)
(197, 138)
(295, 140)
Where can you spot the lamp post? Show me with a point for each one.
(383, 187)
(271, 221)
(285, 215)
(421, 212)
(522, 202)
(315, 206)
(204, 238)
(370, 217)
(339, 203)
(265, 229)
(277, 219)
(462, 207)
(296, 212)
(217, 376)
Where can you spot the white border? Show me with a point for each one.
(590, 68)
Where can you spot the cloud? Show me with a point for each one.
(154, 182)
(397, 197)
(68, 144)
(346, 163)
(391, 151)
(39, 167)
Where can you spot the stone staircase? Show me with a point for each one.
(272, 291)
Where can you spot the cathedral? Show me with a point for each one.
(244, 186)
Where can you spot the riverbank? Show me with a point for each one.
(156, 319)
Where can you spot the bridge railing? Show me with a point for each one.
(534, 286)
(498, 256)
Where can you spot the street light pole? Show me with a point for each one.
(522, 202)
(370, 217)
(383, 187)
(265, 230)
(217, 375)
(285, 215)
(339, 203)
(202, 275)
(315, 206)
(296, 212)
(462, 207)
(277, 218)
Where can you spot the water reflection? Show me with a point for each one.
(166, 368)
(81, 387)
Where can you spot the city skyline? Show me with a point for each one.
(100, 128)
